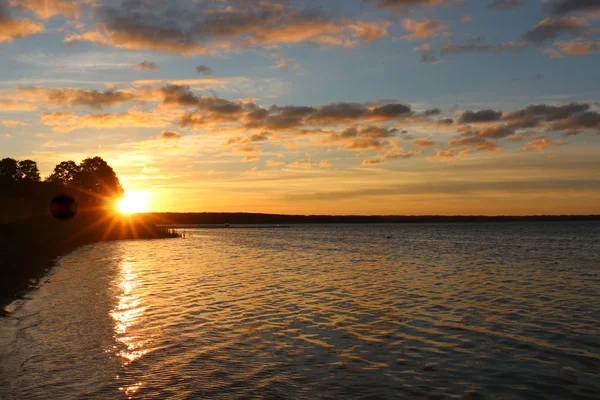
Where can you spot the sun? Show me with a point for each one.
(135, 201)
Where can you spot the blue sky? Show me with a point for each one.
(120, 80)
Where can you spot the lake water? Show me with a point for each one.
(499, 311)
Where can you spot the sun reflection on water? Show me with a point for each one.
(128, 312)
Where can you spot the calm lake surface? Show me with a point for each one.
(499, 311)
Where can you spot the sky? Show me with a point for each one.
(405, 107)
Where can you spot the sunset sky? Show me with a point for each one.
(329, 107)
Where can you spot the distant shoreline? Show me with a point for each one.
(220, 219)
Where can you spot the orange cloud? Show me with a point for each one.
(168, 135)
(423, 143)
(222, 28)
(11, 28)
(272, 163)
(541, 144)
(370, 163)
(422, 30)
(576, 48)
(46, 9)
(301, 164)
(66, 121)
(442, 155)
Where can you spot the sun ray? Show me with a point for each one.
(134, 202)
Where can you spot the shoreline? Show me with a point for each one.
(31, 248)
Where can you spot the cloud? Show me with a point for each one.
(250, 158)
(257, 137)
(580, 47)
(422, 30)
(463, 19)
(405, 4)
(477, 46)
(46, 9)
(204, 70)
(146, 65)
(541, 144)
(469, 117)
(398, 152)
(12, 122)
(272, 163)
(301, 164)
(194, 28)
(283, 62)
(364, 144)
(368, 31)
(66, 121)
(506, 4)
(443, 155)
(547, 112)
(427, 56)
(71, 97)
(370, 163)
(551, 27)
(169, 135)
(572, 118)
(562, 7)
(324, 164)
(11, 28)
(423, 143)
(476, 142)
(253, 172)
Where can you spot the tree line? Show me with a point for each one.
(92, 181)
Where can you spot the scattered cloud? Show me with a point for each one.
(422, 30)
(427, 56)
(204, 70)
(197, 29)
(541, 144)
(469, 117)
(575, 48)
(169, 135)
(406, 4)
(552, 27)
(463, 19)
(324, 164)
(301, 164)
(562, 7)
(282, 62)
(46, 9)
(12, 122)
(253, 172)
(370, 163)
(250, 158)
(146, 65)
(423, 143)
(442, 155)
(476, 45)
(16, 28)
(273, 163)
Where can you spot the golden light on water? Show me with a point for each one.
(127, 312)
(135, 201)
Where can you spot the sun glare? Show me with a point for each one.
(134, 202)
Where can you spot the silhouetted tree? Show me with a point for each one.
(64, 173)
(9, 171)
(28, 171)
(97, 177)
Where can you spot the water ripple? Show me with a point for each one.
(440, 311)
